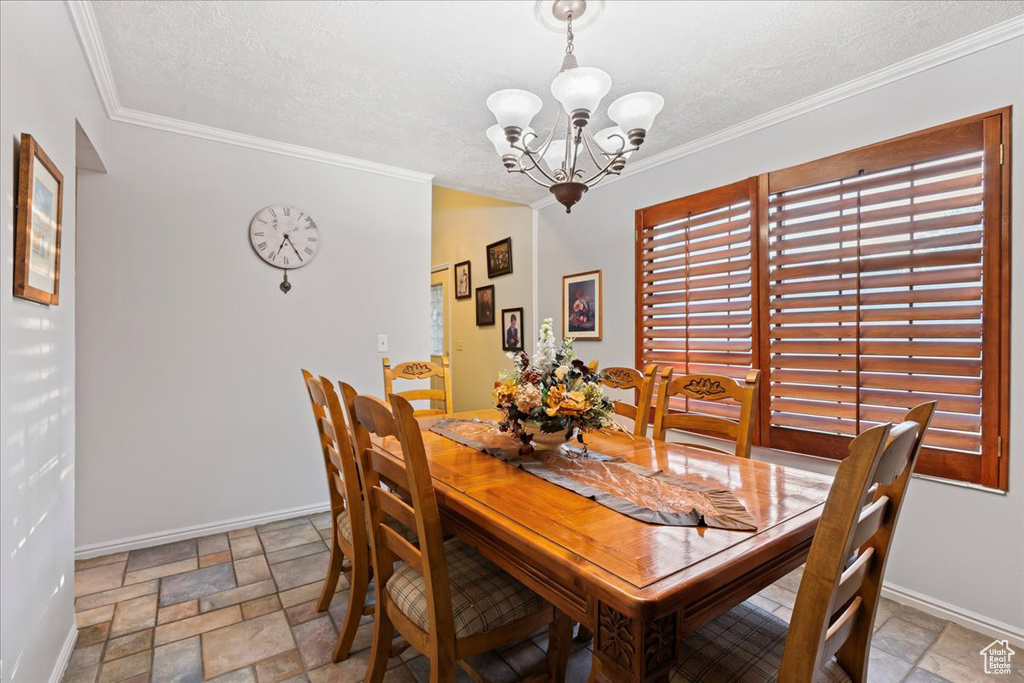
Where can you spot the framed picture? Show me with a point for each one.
(37, 231)
(512, 326)
(463, 280)
(485, 305)
(581, 305)
(499, 258)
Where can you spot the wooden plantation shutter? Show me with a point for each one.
(694, 312)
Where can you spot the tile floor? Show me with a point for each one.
(241, 607)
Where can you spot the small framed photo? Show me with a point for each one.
(37, 231)
(512, 325)
(499, 258)
(463, 280)
(581, 305)
(485, 305)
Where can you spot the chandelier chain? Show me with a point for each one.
(568, 34)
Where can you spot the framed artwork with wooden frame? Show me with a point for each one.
(499, 258)
(37, 225)
(463, 280)
(485, 305)
(581, 306)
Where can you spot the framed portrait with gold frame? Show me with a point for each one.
(581, 306)
(37, 225)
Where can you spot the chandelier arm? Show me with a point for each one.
(604, 171)
(549, 138)
(536, 165)
(587, 139)
(539, 182)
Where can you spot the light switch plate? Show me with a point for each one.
(382, 343)
(458, 344)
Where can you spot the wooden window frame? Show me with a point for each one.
(989, 469)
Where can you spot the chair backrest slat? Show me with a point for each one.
(642, 385)
(420, 370)
(837, 600)
(707, 387)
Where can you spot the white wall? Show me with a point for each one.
(958, 546)
(191, 406)
(44, 86)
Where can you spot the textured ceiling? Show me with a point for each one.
(404, 83)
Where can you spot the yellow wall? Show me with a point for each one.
(463, 225)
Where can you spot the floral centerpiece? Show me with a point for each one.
(554, 393)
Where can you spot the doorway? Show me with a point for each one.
(439, 326)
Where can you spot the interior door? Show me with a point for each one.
(439, 326)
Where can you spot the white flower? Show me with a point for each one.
(544, 356)
(560, 372)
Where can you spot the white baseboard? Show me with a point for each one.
(65, 655)
(147, 540)
(944, 610)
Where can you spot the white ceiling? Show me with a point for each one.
(404, 83)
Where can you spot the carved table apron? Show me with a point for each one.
(639, 587)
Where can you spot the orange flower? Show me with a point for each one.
(504, 392)
(562, 402)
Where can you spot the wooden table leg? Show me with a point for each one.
(633, 650)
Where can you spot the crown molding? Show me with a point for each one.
(976, 42)
(84, 21)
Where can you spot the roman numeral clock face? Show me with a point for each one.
(284, 236)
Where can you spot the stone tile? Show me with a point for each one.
(117, 595)
(186, 628)
(161, 571)
(181, 662)
(93, 634)
(239, 533)
(886, 668)
(183, 610)
(326, 534)
(784, 613)
(128, 645)
(960, 644)
(251, 570)
(238, 676)
(399, 674)
(316, 641)
(235, 596)
(281, 524)
(100, 561)
(86, 674)
(301, 571)
(279, 667)
(301, 594)
(214, 558)
(290, 537)
(296, 551)
(125, 668)
(98, 579)
(957, 672)
(577, 670)
(246, 546)
(903, 639)
(352, 670)
(922, 676)
(133, 615)
(780, 596)
(922, 619)
(85, 656)
(364, 637)
(260, 606)
(886, 608)
(762, 602)
(321, 521)
(161, 554)
(300, 614)
(94, 616)
(493, 668)
(791, 581)
(196, 584)
(217, 543)
(245, 643)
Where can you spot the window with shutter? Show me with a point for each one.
(861, 285)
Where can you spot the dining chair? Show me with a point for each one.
(421, 370)
(445, 598)
(349, 538)
(705, 387)
(829, 634)
(642, 384)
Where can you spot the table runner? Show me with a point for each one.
(644, 494)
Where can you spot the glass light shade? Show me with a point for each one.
(554, 157)
(514, 107)
(636, 110)
(607, 141)
(496, 134)
(581, 88)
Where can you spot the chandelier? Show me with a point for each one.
(571, 159)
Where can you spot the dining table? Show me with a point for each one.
(639, 587)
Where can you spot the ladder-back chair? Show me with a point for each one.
(829, 635)
(415, 370)
(445, 598)
(706, 387)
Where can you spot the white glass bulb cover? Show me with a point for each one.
(636, 110)
(581, 88)
(514, 107)
(606, 139)
(496, 134)
(554, 157)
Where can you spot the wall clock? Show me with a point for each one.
(285, 237)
